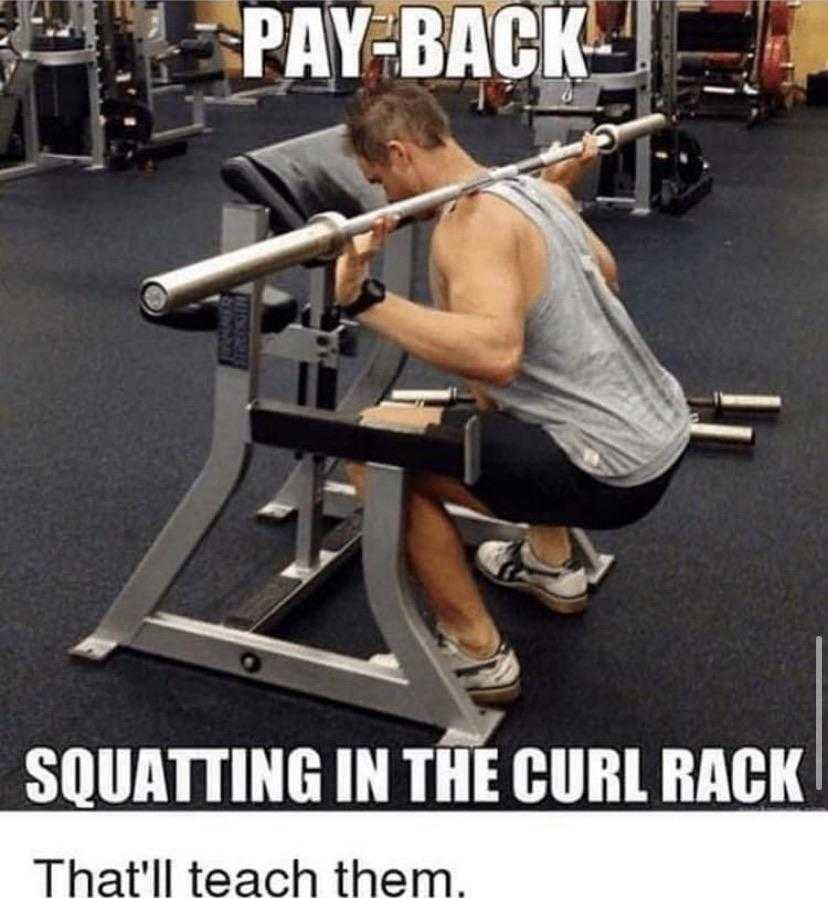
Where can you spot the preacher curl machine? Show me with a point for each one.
(291, 179)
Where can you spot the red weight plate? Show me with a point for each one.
(495, 92)
(781, 17)
(724, 61)
(728, 6)
(610, 15)
(777, 54)
(372, 75)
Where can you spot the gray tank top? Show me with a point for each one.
(587, 376)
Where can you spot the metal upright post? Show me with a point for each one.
(96, 130)
(644, 10)
(31, 131)
(236, 387)
(384, 364)
(668, 52)
(391, 597)
(141, 39)
(320, 392)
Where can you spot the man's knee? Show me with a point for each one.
(438, 488)
(432, 488)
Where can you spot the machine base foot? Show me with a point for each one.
(93, 648)
(456, 738)
(275, 511)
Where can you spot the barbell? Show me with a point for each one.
(325, 235)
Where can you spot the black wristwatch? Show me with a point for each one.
(371, 293)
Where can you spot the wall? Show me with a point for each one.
(809, 42)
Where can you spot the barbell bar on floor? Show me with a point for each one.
(734, 403)
(700, 432)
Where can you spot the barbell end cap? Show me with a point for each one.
(154, 299)
(610, 131)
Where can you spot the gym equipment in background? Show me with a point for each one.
(629, 77)
(222, 92)
(141, 64)
(502, 96)
(379, 68)
(335, 84)
(735, 58)
(49, 89)
(80, 86)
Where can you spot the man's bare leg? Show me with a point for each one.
(437, 558)
(434, 546)
(551, 545)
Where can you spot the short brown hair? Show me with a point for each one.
(394, 111)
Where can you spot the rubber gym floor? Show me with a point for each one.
(702, 635)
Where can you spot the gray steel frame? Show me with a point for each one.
(427, 691)
(150, 39)
(221, 91)
(82, 13)
(423, 689)
(378, 374)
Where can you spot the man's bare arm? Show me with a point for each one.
(562, 179)
(480, 335)
(569, 173)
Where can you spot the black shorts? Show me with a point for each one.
(527, 478)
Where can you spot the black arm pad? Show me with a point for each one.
(303, 177)
(441, 450)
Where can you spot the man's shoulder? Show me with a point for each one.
(482, 219)
(487, 207)
(557, 190)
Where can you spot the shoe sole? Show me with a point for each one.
(575, 605)
(502, 695)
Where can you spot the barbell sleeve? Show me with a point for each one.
(722, 403)
(722, 434)
(326, 234)
(192, 283)
(447, 396)
(731, 402)
(632, 130)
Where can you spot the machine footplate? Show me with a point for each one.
(293, 584)
(93, 648)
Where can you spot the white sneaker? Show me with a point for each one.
(514, 565)
(488, 681)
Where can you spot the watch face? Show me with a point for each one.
(375, 289)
